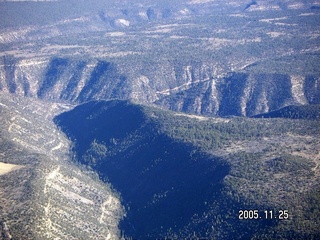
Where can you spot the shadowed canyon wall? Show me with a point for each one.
(197, 87)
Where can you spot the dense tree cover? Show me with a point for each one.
(145, 150)
(270, 177)
(214, 133)
(294, 112)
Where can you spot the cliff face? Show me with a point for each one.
(61, 79)
(199, 88)
(204, 57)
(243, 94)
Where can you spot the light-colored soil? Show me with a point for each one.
(6, 168)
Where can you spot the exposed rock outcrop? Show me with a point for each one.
(199, 88)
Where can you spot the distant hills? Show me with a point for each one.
(208, 58)
(191, 87)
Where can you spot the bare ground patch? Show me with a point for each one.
(6, 168)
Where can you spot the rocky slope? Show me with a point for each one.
(204, 57)
(195, 88)
(48, 196)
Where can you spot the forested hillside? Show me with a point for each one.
(180, 175)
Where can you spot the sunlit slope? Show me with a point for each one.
(194, 87)
(46, 196)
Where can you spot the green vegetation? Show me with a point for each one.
(291, 164)
(267, 176)
(294, 112)
(266, 164)
(214, 133)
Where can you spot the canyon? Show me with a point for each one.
(159, 119)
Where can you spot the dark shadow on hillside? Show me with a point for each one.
(167, 186)
(163, 184)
